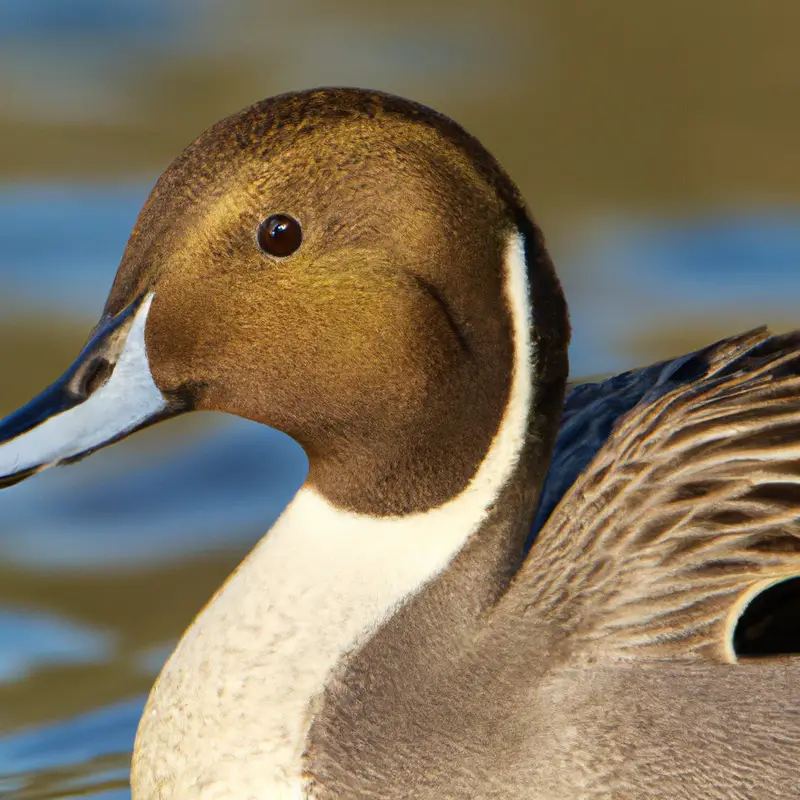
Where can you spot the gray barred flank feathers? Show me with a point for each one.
(691, 502)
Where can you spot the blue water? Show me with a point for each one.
(138, 506)
(60, 245)
(87, 754)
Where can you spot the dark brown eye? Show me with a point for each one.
(279, 235)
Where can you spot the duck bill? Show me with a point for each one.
(107, 394)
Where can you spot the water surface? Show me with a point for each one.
(664, 169)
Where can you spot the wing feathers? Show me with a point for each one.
(693, 500)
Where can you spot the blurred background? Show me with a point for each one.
(658, 144)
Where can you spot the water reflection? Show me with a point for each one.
(60, 244)
(137, 505)
(87, 754)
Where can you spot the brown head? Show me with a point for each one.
(330, 263)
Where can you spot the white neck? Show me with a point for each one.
(230, 712)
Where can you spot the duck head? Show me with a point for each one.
(330, 263)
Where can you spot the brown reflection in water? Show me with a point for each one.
(664, 339)
(34, 351)
(587, 103)
(95, 776)
(143, 609)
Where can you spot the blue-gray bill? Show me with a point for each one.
(108, 393)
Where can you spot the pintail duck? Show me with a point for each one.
(357, 271)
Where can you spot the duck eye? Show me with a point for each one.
(279, 235)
